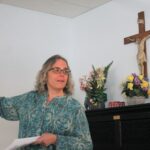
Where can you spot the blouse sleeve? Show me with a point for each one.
(81, 139)
(9, 107)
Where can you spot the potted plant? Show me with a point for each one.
(136, 88)
(94, 87)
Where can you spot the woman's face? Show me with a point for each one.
(58, 76)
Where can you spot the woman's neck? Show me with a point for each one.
(52, 94)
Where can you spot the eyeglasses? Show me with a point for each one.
(58, 70)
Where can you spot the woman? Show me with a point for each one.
(50, 111)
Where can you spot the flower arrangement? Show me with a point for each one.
(136, 85)
(94, 85)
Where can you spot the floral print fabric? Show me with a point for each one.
(63, 116)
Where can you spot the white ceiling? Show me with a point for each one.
(64, 8)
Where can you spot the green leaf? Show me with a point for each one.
(107, 68)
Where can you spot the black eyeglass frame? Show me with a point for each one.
(58, 70)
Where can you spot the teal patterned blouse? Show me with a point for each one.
(63, 116)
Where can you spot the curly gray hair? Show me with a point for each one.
(41, 81)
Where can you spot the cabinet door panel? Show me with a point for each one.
(136, 134)
(103, 135)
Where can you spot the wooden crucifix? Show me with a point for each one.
(140, 39)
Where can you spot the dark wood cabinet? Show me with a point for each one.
(120, 128)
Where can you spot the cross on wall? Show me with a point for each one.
(140, 39)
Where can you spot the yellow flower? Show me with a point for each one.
(100, 80)
(130, 78)
(148, 92)
(144, 84)
(130, 86)
(141, 77)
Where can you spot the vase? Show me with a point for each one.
(135, 100)
(93, 106)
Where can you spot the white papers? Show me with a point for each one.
(21, 142)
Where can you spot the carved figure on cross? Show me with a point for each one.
(140, 39)
(141, 56)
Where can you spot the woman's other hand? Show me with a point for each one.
(46, 139)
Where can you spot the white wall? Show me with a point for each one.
(98, 39)
(28, 38)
